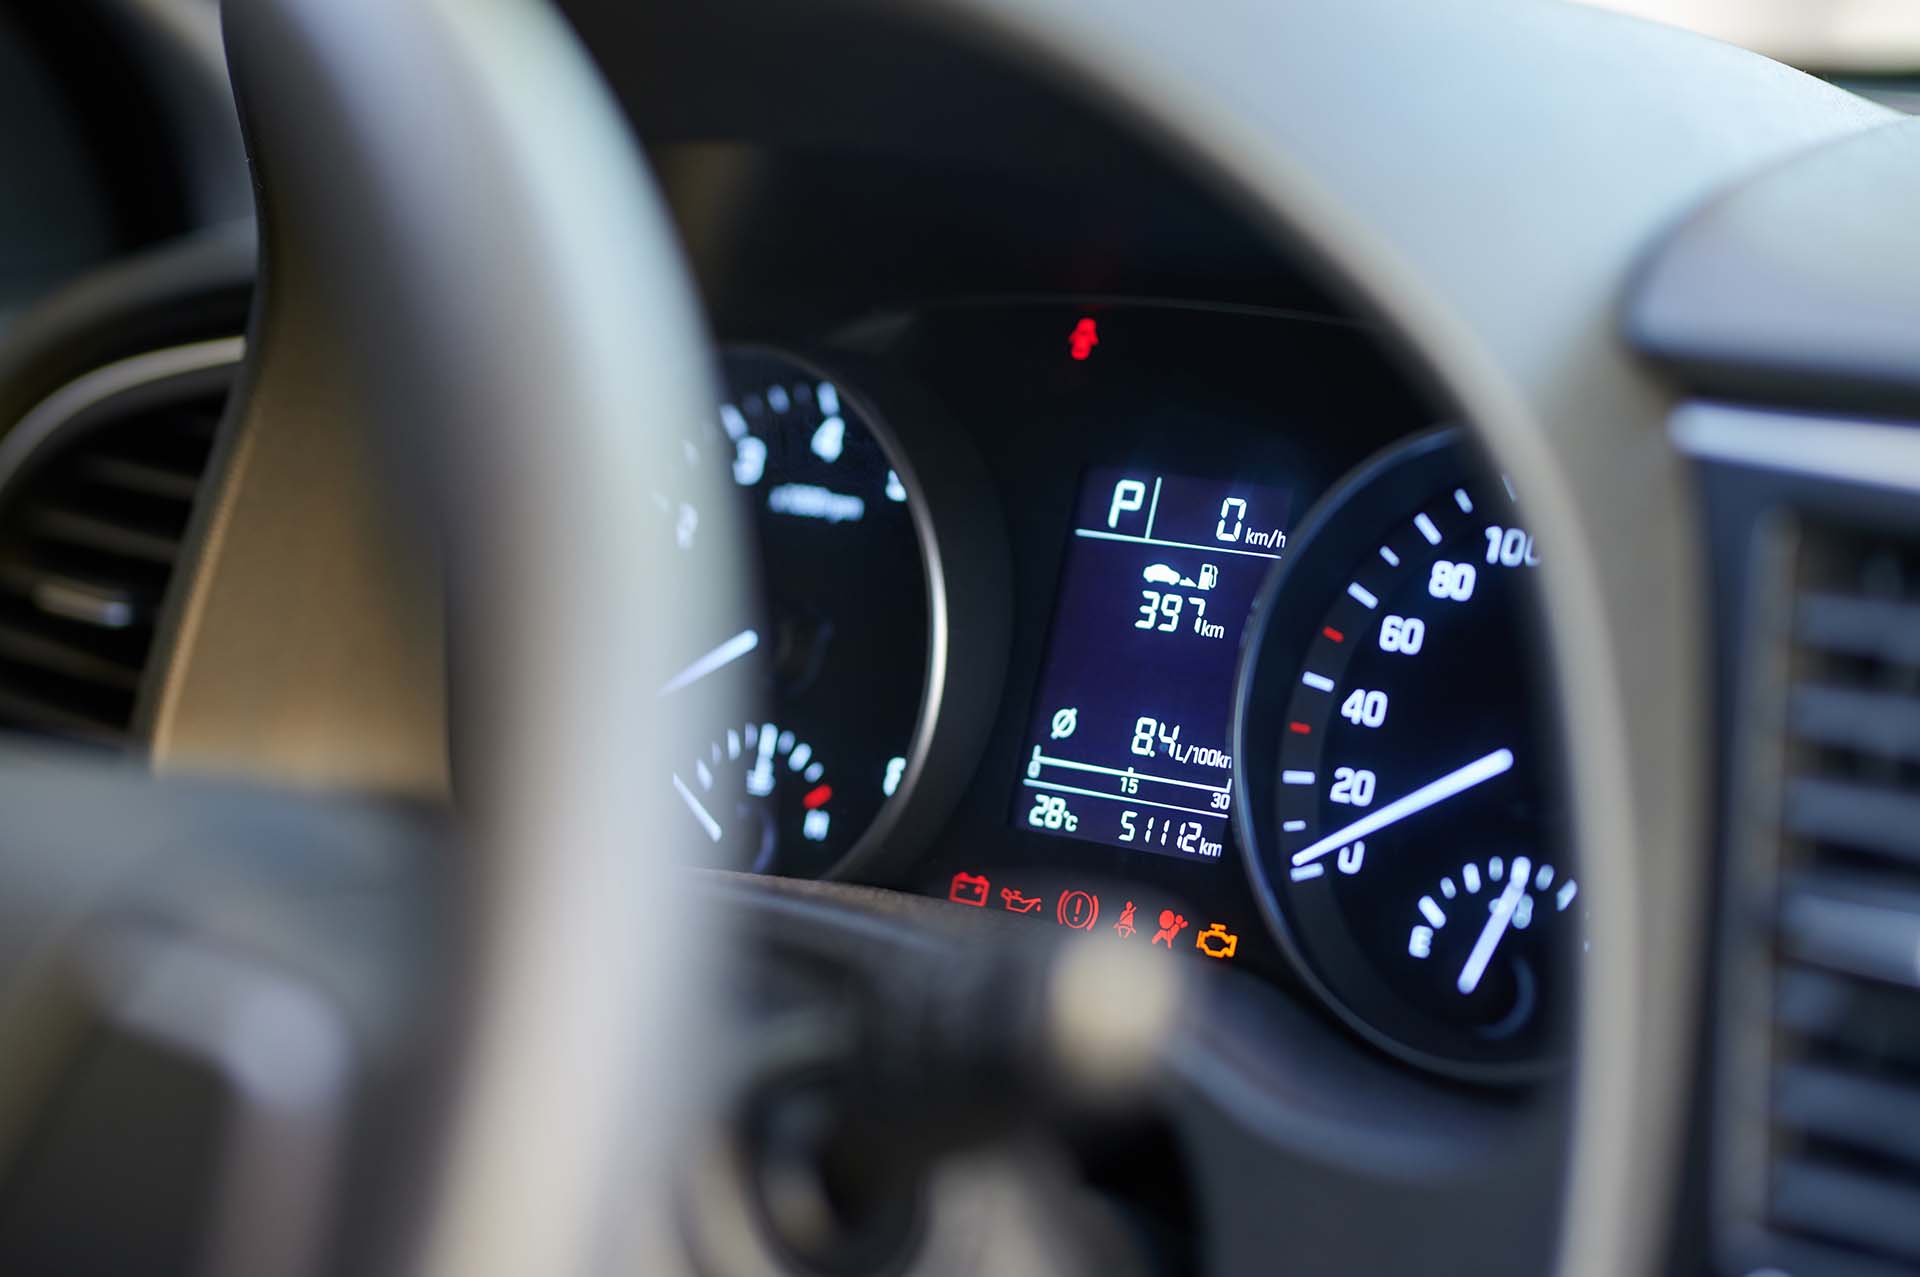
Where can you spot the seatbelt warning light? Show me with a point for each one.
(1081, 341)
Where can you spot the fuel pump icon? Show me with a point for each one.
(1209, 576)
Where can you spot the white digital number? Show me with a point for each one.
(1189, 836)
(1150, 733)
(1352, 786)
(1451, 580)
(1160, 611)
(1051, 812)
(1232, 508)
(1511, 547)
(1365, 708)
(1143, 730)
(1126, 826)
(1403, 634)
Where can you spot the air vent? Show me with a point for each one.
(97, 489)
(1841, 1105)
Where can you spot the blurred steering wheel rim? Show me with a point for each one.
(464, 263)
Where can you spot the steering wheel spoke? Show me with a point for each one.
(201, 986)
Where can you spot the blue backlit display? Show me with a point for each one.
(1128, 741)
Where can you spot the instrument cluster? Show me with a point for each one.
(1177, 626)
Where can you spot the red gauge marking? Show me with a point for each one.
(1334, 634)
(1299, 729)
(817, 797)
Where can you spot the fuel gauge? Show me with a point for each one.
(758, 788)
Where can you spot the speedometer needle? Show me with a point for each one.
(1496, 926)
(1474, 773)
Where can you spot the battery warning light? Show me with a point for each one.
(1084, 337)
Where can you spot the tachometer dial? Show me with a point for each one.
(842, 649)
(1395, 767)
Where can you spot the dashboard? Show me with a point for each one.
(1110, 416)
(1181, 626)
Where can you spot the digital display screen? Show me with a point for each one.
(1128, 743)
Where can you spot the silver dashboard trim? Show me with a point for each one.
(109, 381)
(1872, 453)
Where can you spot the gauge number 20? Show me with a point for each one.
(1353, 786)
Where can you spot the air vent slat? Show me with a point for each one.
(101, 606)
(1866, 1024)
(1848, 1206)
(138, 476)
(90, 533)
(1878, 941)
(1867, 817)
(23, 648)
(1835, 1087)
(1851, 1109)
(1872, 628)
(32, 713)
(1869, 722)
(1805, 1258)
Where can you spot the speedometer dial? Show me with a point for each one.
(1395, 766)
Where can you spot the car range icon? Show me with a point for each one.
(1162, 574)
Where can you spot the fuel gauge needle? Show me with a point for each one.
(700, 813)
(1490, 935)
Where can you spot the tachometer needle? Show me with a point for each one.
(1496, 926)
(720, 657)
(1474, 773)
(701, 814)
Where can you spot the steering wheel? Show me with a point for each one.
(316, 1030)
(467, 276)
